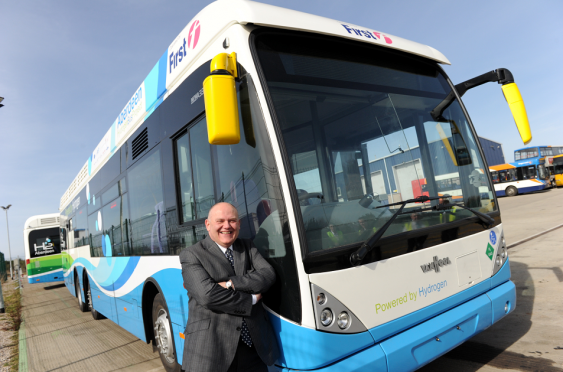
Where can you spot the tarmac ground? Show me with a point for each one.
(56, 336)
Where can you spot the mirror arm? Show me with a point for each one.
(502, 76)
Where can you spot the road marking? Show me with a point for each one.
(22, 349)
(533, 236)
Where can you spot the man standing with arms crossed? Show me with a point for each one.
(228, 329)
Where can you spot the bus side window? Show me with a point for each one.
(502, 176)
(146, 212)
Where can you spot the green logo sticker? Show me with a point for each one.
(490, 251)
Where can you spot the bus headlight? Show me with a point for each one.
(326, 317)
(343, 320)
(333, 316)
(502, 255)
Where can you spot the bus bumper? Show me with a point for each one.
(427, 341)
(51, 277)
(421, 344)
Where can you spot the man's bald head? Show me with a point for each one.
(221, 206)
(222, 223)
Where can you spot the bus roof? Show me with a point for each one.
(194, 39)
(500, 167)
(534, 147)
(41, 220)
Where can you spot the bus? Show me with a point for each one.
(265, 108)
(537, 152)
(538, 167)
(539, 155)
(511, 180)
(43, 258)
(558, 170)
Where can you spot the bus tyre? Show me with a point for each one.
(95, 314)
(81, 304)
(163, 335)
(511, 191)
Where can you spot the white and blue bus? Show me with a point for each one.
(514, 178)
(42, 241)
(291, 100)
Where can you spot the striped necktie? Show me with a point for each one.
(244, 334)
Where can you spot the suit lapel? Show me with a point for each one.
(239, 256)
(218, 254)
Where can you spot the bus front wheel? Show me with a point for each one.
(81, 304)
(163, 335)
(511, 191)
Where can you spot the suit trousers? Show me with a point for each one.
(247, 360)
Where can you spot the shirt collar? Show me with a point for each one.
(223, 249)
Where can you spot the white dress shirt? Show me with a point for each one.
(224, 250)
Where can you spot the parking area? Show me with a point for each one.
(531, 338)
(56, 336)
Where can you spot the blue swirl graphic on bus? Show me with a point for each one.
(493, 237)
(106, 245)
(111, 273)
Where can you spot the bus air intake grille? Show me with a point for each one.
(49, 221)
(140, 144)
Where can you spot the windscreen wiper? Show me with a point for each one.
(369, 244)
(488, 220)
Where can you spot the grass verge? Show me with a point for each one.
(13, 305)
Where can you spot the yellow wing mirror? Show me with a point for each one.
(221, 105)
(516, 104)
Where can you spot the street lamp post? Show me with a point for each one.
(9, 250)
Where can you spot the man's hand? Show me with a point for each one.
(258, 295)
(224, 285)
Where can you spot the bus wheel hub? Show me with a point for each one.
(163, 336)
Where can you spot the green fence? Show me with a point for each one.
(3, 271)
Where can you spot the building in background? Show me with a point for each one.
(493, 151)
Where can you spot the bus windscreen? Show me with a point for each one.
(44, 242)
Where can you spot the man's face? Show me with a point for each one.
(223, 224)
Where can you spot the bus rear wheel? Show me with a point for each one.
(163, 335)
(81, 304)
(95, 314)
(511, 191)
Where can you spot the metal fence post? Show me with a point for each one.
(2, 307)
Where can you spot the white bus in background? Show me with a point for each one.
(294, 101)
(42, 242)
(511, 180)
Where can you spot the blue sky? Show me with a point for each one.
(67, 68)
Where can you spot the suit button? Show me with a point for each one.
(238, 328)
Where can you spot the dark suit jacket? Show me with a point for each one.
(215, 313)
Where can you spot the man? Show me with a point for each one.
(366, 227)
(335, 236)
(228, 329)
(415, 223)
